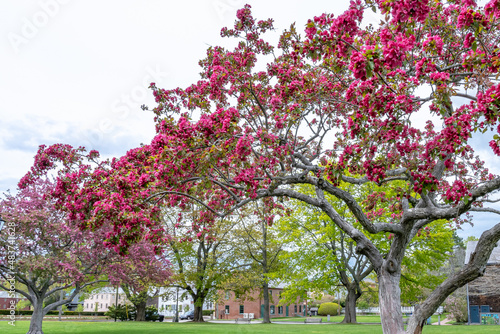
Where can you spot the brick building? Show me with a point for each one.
(484, 292)
(252, 306)
(6, 301)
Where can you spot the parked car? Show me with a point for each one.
(188, 315)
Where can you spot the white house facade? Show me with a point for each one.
(171, 297)
(100, 300)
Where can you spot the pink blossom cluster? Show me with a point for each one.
(405, 10)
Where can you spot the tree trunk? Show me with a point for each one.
(36, 318)
(390, 301)
(265, 295)
(198, 312)
(140, 311)
(350, 305)
(414, 326)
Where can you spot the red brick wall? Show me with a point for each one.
(5, 303)
(252, 304)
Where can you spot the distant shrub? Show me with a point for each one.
(121, 312)
(457, 307)
(363, 305)
(152, 313)
(208, 312)
(329, 309)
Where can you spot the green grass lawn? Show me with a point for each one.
(359, 318)
(52, 327)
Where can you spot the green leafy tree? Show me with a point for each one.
(260, 244)
(201, 258)
(79, 309)
(326, 256)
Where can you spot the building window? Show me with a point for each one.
(280, 309)
(272, 309)
(242, 309)
(295, 308)
(300, 308)
(227, 309)
(271, 293)
(228, 295)
(106, 305)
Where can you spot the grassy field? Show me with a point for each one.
(359, 318)
(370, 319)
(211, 328)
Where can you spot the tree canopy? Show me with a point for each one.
(345, 99)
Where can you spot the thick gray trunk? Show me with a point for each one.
(390, 301)
(265, 295)
(198, 312)
(36, 318)
(350, 306)
(140, 309)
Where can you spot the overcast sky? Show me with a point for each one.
(77, 72)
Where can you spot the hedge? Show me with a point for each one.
(53, 312)
(208, 312)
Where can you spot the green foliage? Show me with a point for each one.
(362, 304)
(208, 312)
(201, 265)
(325, 255)
(369, 298)
(22, 304)
(152, 313)
(121, 312)
(329, 309)
(471, 238)
(425, 255)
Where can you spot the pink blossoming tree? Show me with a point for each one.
(343, 99)
(141, 272)
(43, 252)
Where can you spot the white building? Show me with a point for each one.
(168, 301)
(100, 300)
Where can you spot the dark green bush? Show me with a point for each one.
(120, 311)
(329, 309)
(208, 312)
(152, 313)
